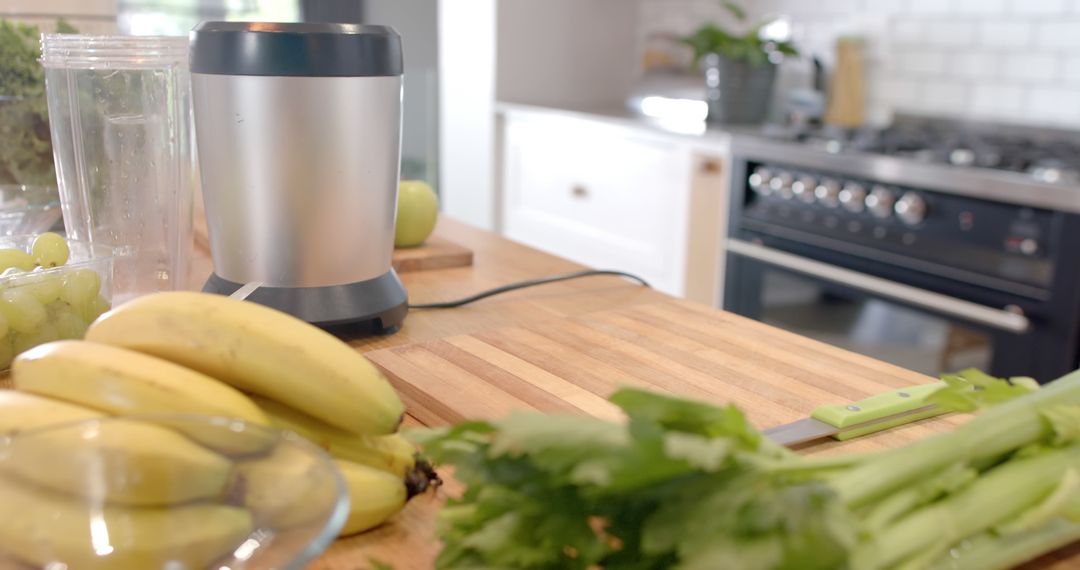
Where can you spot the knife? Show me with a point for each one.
(874, 414)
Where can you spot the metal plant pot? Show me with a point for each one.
(737, 91)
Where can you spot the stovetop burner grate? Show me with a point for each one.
(1047, 156)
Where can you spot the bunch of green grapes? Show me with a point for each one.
(39, 305)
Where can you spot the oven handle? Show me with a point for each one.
(959, 308)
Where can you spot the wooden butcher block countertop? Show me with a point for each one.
(563, 347)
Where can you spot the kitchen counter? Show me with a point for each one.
(615, 114)
(408, 541)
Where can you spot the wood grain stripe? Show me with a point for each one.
(498, 378)
(566, 361)
(564, 392)
(850, 379)
(683, 376)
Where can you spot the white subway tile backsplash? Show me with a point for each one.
(1053, 103)
(929, 6)
(997, 99)
(1005, 33)
(1059, 34)
(1020, 67)
(978, 6)
(943, 96)
(974, 65)
(950, 33)
(1070, 71)
(1044, 7)
(901, 93)
(919, 62)
(890, 6)
(833, 6)
(909, 30)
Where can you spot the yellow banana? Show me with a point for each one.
(392, 453)
(124, 382)
(122, 461)
(287, 488)
(21, 412)
(258, 350)
(374, 496)
(41, 527)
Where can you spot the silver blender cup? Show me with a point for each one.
(299, 135)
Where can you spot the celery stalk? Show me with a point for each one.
(891, 508)
(997, 496)
(991, 552)
(993, 433)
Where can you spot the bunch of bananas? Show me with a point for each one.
(194, 353)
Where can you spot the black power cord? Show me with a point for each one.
(524, 284)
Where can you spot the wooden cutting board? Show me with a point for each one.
(435, 253)
(572, 365)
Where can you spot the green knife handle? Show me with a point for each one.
(879, 407)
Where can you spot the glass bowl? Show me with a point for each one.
(29, 209)
(170, 491)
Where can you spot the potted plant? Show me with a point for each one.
(740, 69)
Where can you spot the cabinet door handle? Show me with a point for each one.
(579, 191)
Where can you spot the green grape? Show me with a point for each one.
(24, 313)
(69, 326)
(11, 272)
(7, 354)
(21, 342)
(94, 308)
(16, 258)
(45, 288)
(50, 250)
(80, 287)
(3, 328)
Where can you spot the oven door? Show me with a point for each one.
(908, 326)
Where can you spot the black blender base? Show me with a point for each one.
(376, 306)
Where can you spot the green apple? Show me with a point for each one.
(417, 210)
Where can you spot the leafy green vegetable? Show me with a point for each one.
(691, 486)
(25, 148)
(677, 486)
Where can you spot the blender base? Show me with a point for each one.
(377, 305)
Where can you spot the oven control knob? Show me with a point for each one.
(828, 193)
(759, 181)
(880, 202)
(911, 209)
(803, 189)
(781, 184)
(851, 197)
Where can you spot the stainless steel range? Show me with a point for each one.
(932, 245)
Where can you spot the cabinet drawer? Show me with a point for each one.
(597, 194)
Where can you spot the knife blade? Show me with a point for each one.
(871, 415)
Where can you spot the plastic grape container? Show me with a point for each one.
(44, 304)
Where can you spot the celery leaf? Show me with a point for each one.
(972, 389)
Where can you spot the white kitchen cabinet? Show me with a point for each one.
(615, 196)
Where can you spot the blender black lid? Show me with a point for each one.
(307, 49)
